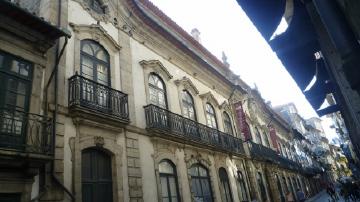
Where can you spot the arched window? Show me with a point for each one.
(282, 195)
(188, 108)
(227, 124)
(96, 176)
(168, 181)
(157, 91)
(210, 116)
(261, 186)
(224, 180)
(280, 149)
(241, 186)
(258, 136)
(291, 186)
(95, 63)
(200, 183)
(266, 140)
(286, 185)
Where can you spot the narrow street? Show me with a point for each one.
(324, 197)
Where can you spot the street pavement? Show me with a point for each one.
(324, 197)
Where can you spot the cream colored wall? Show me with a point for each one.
(147, 168)
(70, 131)
(78, 16)
(139, 53)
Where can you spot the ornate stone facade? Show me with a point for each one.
(109, 133)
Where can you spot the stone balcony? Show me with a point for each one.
(165, 124)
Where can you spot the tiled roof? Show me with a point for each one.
(28, 19)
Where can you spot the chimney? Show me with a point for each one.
(195, 33)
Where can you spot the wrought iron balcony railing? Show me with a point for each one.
(261, 152)
(288, 163)
(97, 97)
(168, 123)
(25, 132)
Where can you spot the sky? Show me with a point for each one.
(224, 26)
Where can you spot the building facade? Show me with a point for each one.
(140, 111)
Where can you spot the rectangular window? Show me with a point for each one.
(15, 88)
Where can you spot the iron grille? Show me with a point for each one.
(89, 94)
(163, 120)
(25, 132)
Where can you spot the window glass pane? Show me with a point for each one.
(159, 84)
(166, 167)
(10, 98)
(172, 185)
(87, 68)
(14, 66)
(87, 49)
(24, 69)
(164, 189)
(102, 74)
(20, 101)
(205, 187)
(12, 85)
(202, 172)
(21, 88)
(193, 171)
(102, 55)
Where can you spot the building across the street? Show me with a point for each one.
(110, 100)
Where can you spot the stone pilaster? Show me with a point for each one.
(251, 178)
(134, 169)
(273, 190)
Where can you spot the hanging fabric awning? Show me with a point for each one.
(265, 14)
(296, 47)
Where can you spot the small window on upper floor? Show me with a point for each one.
(95, 63)
(210, 116)
(188, 108)
(266, 140)
(227, 124)
(258, 136)
(157, 91)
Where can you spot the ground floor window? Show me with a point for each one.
(224, 180)
(96, 176)
(168, 181)
(261, 186)
(241, 186)
(200, 183)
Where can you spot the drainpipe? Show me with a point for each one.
(54, 74)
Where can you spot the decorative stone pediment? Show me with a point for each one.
(187, 84)
(157, 67)
(209, 97)
(104, 5)
(97, 33)
(197, 158)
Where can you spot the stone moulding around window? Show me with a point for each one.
(187, 84)
(209, 97)
(105, 17)
(96, 32)
(157, 67)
